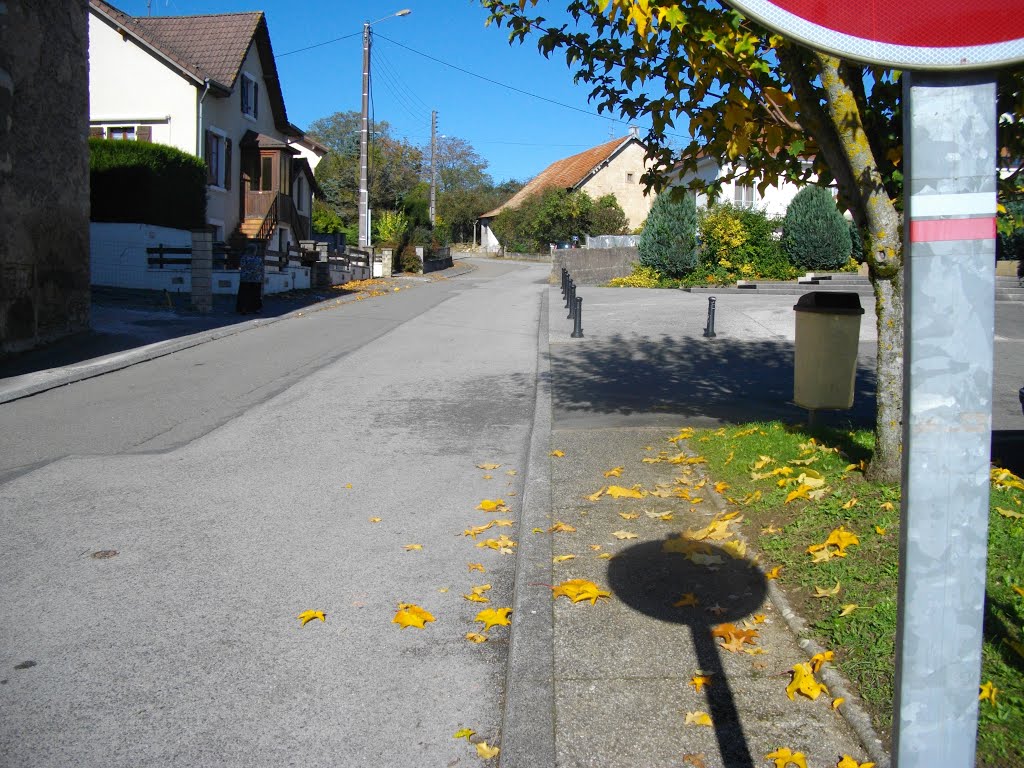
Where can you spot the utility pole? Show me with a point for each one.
(433, 168)
(364, 137)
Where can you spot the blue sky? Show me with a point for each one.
(518, 135)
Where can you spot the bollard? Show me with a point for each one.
(709, 331)
(572, 301)
(577, 328)
(565, 276)
(570, 289)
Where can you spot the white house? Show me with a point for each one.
(614, 167)
(207, 85)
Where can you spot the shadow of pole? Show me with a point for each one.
(651, 580)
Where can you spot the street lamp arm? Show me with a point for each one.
(403, 12)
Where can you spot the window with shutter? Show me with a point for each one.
(255, 99)
(227, 164)
(144, 133)
(211, 173)
(250, 92)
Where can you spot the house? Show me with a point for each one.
(208, 85)
(614, 167)
(774, 201)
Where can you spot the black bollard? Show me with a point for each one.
(565, 277)
(572, 301)
(577, 328)
(570, 286)
(709, 331)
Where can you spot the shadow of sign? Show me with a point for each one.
(651, 580)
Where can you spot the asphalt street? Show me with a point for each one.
(236, 481)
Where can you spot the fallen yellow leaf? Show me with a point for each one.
(1013, 515)
(374, 519)
(848, 609)
(773, 573)
(411, 615)
(579, 589)
(488, 477)
(800, 493)
(465, 733)
(771, 530)
(849, 762)
(1018, 590)
(624, 535)
(560, 527)
(697, 718)
(307, 616)
(618, 492)
(485, 751)
(721, 486)
(988, 693)
(818, 660)
(614, 472)
(699, 681)
(476, 530)
(686, 600)
(487, 466)
(837, 702)
(557, 454)
(597, 494)
(476, 567)
(491, 617)
(851, 503)
(606, 556)
(476, 637)
(830, 592)
(563, 558)
(347, 486)
(412, 547)
(783, 757)
(491, 505)
(804, 682)
(628, 515)
(880, 530)
(887, 506)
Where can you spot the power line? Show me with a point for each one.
(317, 45)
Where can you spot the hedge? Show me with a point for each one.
(143, 183)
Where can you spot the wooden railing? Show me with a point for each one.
(223, 257)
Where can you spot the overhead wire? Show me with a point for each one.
(317, 45)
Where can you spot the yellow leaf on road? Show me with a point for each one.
(628, 515)
(491, 505)
(475, 530)
(485, 751)
(838, 701)
(411, 615)
(618, 492)
(465, 733)
(614, 472)
(697, 718)
(476, 637)
(412, 547)
(621, 535)
(560, 527)
(849, 762)
(699, 681)
(563, 558)
(579, 589)
(784, 757)
(818, 660)
(664, 516)
(487, 466)
(474, 598)
(804, 682)
(476, 567)
(307, 616)
(557, 454)
(597, 494)
(494, 617)
(688, 599)
(374, 519)
(606, 556)
(347, 486)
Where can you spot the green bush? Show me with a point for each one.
(410, 261)
(815, 236)
(668, 243)
(1010, 231)
(142, 183)
(856, 244)
(607, 217)
(391, 228)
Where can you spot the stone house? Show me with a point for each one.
(614, 167)
(208, 85)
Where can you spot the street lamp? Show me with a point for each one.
(364, 134)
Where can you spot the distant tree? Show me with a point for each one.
(325, 220)
(607, 217)
(815, 236)
(668, 242)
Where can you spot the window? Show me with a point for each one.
(250, 91)
(218, 159)
(121, 132)
(298, 194)
(629, 178)
(744, 195)
(266, 173)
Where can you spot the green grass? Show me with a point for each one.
(864, 640)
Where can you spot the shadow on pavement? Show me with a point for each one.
(732, 381)
(729, 589)
(127, 319)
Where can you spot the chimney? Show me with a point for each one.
(634, 132)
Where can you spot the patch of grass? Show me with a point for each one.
(864, 641)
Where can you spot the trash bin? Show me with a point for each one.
(825, 365)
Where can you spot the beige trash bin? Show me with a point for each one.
(825, 364)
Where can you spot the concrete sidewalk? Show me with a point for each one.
(610, 684)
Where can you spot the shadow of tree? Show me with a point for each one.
(723, 379)
(650, 580)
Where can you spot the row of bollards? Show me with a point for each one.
(573, 303)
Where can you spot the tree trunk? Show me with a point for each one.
(886, 463)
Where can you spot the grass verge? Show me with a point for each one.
(785, 515)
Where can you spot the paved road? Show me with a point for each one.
(220, 476)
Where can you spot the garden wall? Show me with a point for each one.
(593, 266)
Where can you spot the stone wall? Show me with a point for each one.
(44, 171)
(593, 266)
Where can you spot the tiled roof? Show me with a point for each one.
(212, 46)
(563, 174)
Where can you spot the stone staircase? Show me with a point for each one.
(1007, 288)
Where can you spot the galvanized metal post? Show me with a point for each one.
(709, 330)
(950, 193)
(577, 328)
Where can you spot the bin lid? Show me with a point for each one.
(830, 303)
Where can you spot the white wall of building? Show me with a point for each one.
(128, 86)
(774, 201)
(621, 177)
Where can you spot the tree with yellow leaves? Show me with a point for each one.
(742, 92)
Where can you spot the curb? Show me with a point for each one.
(61, 377)
(528, 721)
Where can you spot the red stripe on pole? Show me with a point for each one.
(938, 230)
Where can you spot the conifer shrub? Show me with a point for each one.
(815, 236)
(668, 243)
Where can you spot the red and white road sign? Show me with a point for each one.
(909, 34)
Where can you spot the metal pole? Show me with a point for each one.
(709, 330)
(571, 300)
(570, 286)
(364, 136)
(950, 199)
(577, 328)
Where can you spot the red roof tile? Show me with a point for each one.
(563, 174)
